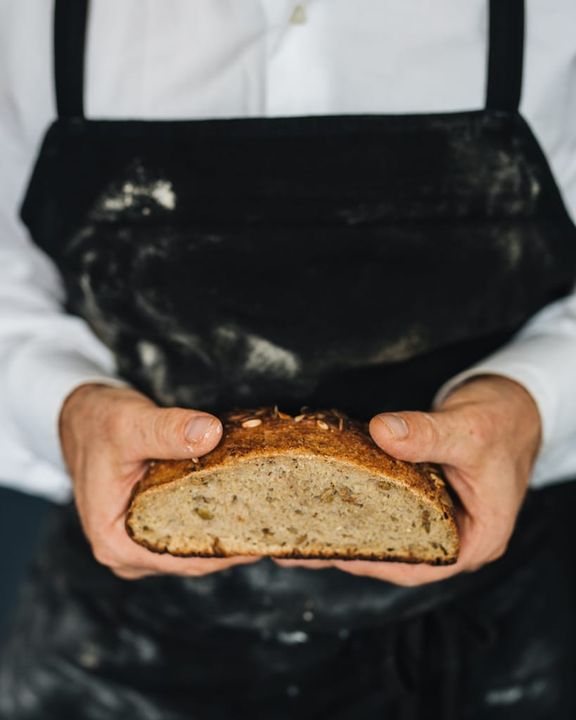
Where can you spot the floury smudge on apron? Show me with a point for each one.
(248, 291)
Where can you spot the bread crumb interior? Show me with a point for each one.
(292, 504)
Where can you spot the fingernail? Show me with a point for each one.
(396, 425)
(200, 428)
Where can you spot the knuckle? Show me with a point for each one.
(499, 552)
(119, 425)
(199, 571)
(103, 556)
(125, 574)
(430, 428)
(178, 568)
(480, 429)
(474, 565)
(167, 424)
(405, 583)
(103, 551)
(408, 581)
(489, 557)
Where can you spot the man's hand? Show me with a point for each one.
(486, 436)
(107, 435)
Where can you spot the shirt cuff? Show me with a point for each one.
(39, 383)
(544, 366)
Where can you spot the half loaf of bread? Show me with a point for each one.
(311, 486)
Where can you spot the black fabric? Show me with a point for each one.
(506, 55)
(352, 262)
(332, 210)
(89, 646)
(70, 17)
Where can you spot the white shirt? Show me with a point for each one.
(242, 58)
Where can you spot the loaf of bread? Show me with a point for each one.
(311, 486)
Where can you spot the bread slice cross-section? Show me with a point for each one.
(311, 486)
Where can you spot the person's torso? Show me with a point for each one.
(352, 261)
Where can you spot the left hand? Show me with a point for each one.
(486, 436)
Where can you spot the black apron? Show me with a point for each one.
(354, 262)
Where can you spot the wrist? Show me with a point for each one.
(76, 397)
(511, 406)
(79, 405)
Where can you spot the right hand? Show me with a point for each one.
(107, 436)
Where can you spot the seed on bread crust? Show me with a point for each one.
(252, 423)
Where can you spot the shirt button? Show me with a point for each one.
(299, 16)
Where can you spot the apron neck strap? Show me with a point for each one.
(70, 19)
(505, 55)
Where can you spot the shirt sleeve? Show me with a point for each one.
(542, 358)
(45, 353)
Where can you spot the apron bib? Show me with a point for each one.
(355, 262)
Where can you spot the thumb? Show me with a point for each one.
(175, 433)
(416, 436)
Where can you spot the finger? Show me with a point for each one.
(197, 567)
(128, 573)
(421, 437)
(139, 560)
(184, 567)
(309, 564)
(403, 574)
(171, 434)
(137, 556)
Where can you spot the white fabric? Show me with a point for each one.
(238, 58)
